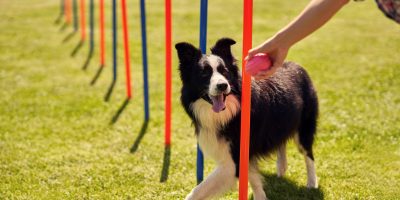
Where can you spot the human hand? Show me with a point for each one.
(277, 53)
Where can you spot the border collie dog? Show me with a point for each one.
(284, 106)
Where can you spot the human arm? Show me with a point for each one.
(316, 14)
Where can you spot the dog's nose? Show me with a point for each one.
(222, 86)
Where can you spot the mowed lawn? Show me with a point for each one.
(59, 139)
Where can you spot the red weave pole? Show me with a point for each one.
(246, 101)
(83, 20)
(68, 11)
(126, 49)
(102, 36)
(168, 71)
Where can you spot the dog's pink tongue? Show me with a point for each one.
(218, 103)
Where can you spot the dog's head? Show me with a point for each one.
(210, 76)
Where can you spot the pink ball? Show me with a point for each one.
(259, 62)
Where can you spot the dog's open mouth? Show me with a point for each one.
(218, 102)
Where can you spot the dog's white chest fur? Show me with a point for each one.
(210, 123)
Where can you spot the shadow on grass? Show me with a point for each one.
(166, 163)
(282, 188)
(97, 75)
(119, 111)
(69, 36)
(77, 48)
(109, 91)
(58, 19)
(139, 137)
(63, 27)
(88, 59)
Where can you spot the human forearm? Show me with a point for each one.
(316, 14)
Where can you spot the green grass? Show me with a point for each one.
(56, 140)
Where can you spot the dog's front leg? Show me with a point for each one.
(256, 182)
(219, 181)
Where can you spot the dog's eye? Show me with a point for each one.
(221, 69)
(207, 71)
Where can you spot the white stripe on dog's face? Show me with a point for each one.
(216, 78)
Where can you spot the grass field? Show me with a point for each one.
(57, 139)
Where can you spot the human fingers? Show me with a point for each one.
(251, 53)
(263, 48)
(265, 74)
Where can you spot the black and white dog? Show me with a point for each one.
(284, 106)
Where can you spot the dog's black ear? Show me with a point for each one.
(222, 48)
(187, 53)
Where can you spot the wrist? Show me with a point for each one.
(280, 40)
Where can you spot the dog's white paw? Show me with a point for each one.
(255, 197)
(281, 172)
(189, 196)
(281, 167)
(260, 198)
(259, 195)
(312, 184)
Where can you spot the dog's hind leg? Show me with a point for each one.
(307, 130)
(309, 159)
(311, 174)
(305, 136)
(281, 162)
(256, 183)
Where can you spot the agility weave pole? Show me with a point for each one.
(126, 49)
(246, 101)
(68, 11)
(83, 20)
(114, 38)
(102, 35)
(203, 48)
(144, 60)
(168, 72)
(91, 23)
(75, 8)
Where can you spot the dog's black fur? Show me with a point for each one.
(281, 105)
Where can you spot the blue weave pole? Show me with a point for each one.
(144, 57)
(203, 45)
(200, 165)
(114, 35)
(91, 48)
(75, 6)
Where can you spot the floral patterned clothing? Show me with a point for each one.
(391, 8)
